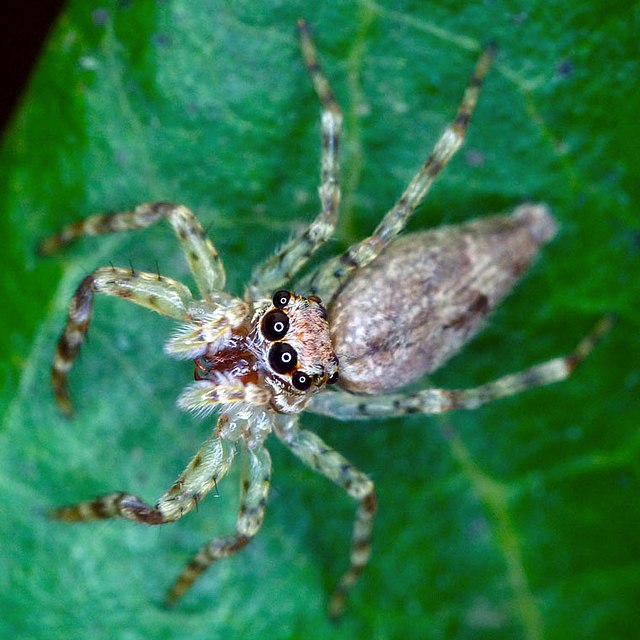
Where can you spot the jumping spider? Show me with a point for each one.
(392, 311)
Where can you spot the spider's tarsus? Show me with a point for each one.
(167, 604)
(49, 246)
(65, 406)
(66, 410)
(589, 342)
(335, 609)
(491, 47)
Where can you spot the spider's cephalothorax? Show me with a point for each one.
(283, 348)
(292, 339)
(396, 312)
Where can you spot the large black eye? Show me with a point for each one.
(283, 357)
(275, 325)
(301, 380)
(281, 298)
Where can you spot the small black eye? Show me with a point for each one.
(333, 378)
(275, 325)
(283, 357)
(281, 298)
(301, 380)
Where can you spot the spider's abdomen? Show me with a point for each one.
(415, 305)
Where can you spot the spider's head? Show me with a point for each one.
(291, 335)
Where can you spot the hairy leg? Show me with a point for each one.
(287, 261)
(163, 295)
(346, 406)
(332, 274)
(255, 478)
(206, 468)
(203, 259)
(204, 396)
(331, 464)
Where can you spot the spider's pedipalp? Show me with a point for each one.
(203, 397)
(210, 328)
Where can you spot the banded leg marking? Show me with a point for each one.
(203, 259)
(331, 464)
(282, 266)
(346, 406)
(255, 479)
(163, 295)
(328, 279)
(209, 465)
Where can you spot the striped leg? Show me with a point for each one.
(255, 479)
(328, 279)
(346, 406)
(296, 252)
(317, 455)
(155, 292)
(204, 262)
(209, 465)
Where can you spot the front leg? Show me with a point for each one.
(202, 258)
(206, 468)
(332, 274)
(286, 262)
(163, 295)
(331, 464)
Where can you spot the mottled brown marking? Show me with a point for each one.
(478, 308)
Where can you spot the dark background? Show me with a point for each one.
(23, 28)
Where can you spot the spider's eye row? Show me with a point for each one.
(301, 380)
(283, 357)
(281, 298)
(275, 325)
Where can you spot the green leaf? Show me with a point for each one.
(519, 520)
